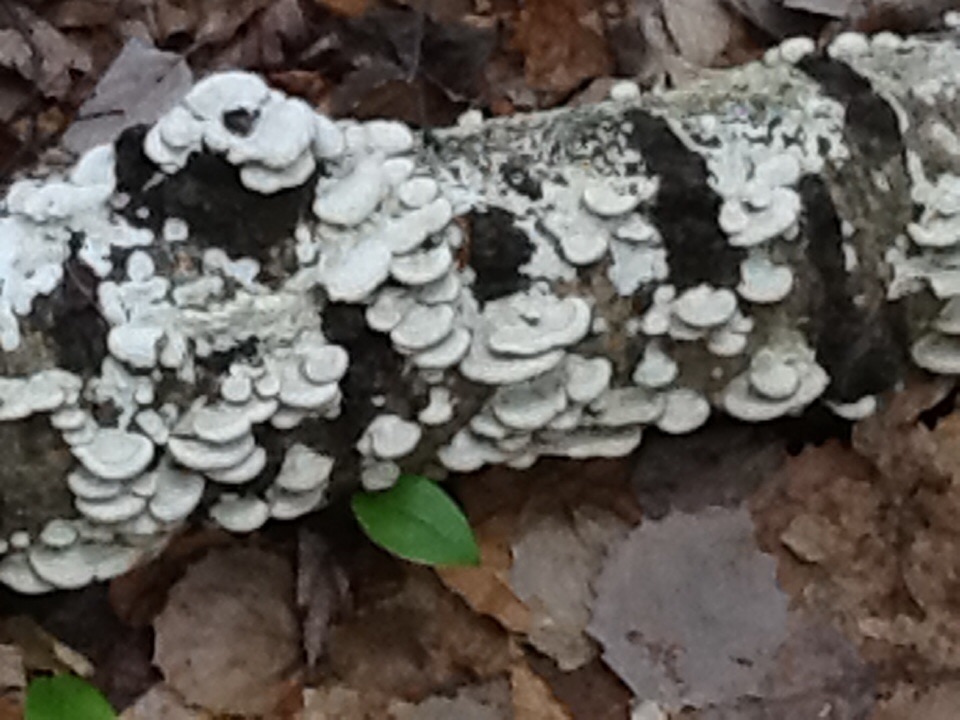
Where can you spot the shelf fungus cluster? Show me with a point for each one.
(247, 307)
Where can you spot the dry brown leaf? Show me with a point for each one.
(11, 708)
(408, 637)
(591, 692)
(228, 639)
(543, 534)
(836, 9)
(562, 43)
(48, 58)
(487, 701)
(348, 8)
(701, 29)
(13, 676)
(940, 702)
(336, 702)
(321, 592)
(162, 703)
(780, 22)
(77, 14)
(268, 39)
(875, 544)
(556, 560)
(40, 650)
(137, 596)
(532, 697)
(487, 588)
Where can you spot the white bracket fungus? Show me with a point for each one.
(642, 263)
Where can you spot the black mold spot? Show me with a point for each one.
(498, 249)
(514, 173)
(859, 346)
(240, 122)
(219, 362)
(871, 122)
(686, 208)
(208, 194)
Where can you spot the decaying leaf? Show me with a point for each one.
(350, 8)
(872, 539)
(269, 39)
(543, 534)
(836, 9)
(336, 701)
(11, 708)
(909, 702)
(721, 464)
(532, 697)
(688, 610)
(228, 638)
(777, 20)
(47, 58)
(162, 703)
(12, 673)
(701, 29)
(487, 588)
(555, 561)
(488, 701)
(321, 592)
(40, 650)
(407, 636)
(562, 43)
(591, 692)
(139, 87)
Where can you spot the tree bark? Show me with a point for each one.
(248, 308)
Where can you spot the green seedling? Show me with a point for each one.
(65, 697)
(417, 521)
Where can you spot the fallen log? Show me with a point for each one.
(248, 307)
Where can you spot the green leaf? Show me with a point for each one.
(66, 697)
(416, 520)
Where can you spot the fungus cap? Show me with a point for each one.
(304, 469)
(587, 378)
(240, 514)
(705, 307)
(446, 353)
(656, 369)
(389, 437)
(115, 454)
(685, 411)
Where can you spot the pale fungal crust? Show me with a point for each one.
(460, 299)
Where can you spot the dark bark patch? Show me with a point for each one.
(686, 208)
(498, 250)
(515, 174)
(70, 316)
(219, 362)
(375, 369)
(872, 124)
(133, 167)
(859, 344)
(209, 196)
(33, 488)
(240, 121)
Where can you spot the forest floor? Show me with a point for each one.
(801, 569)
